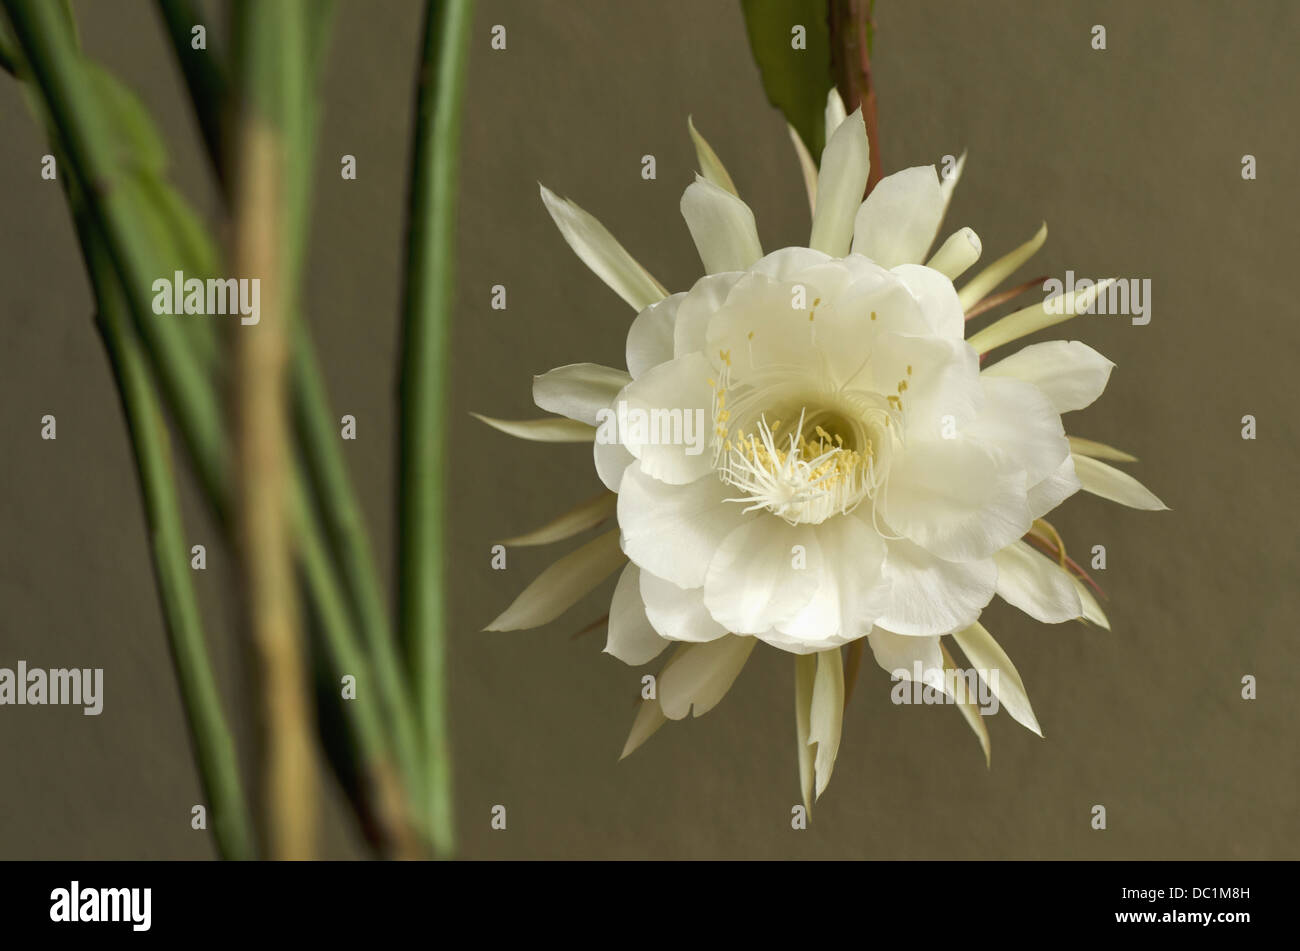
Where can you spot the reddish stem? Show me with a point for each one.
(850, 25)
(1046, 546)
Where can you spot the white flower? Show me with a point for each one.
(860, 476)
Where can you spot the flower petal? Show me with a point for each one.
(949, 183)
(898, 655)
(840, 184)
(650, 338)
(697, 309)
(578, 519)
(678, 613)
(1020, 426)
(785, 263)
(807, 167)
(970, 710)
(1092, 611)
(579, 390)
(599, 250)
(898, 221)
(631, 637)
(562, 585)
(722, 227)
(826, 715)
(673, 531)
(952, 498)
(673, 401)
(987, 656)
(937, 298)
(1111, 483)
(756, 580)
(1070, 374)
(997, 272)
(649, 718)
(1053, 490)
(611, 460)
(957, 254)
(711, 166)
(853, 591)
(931, 596)
(1036, 585)
(551, 429)
(1098, 450)
(1036, 317)
(805, 674)
(699, 675)
(835, 113)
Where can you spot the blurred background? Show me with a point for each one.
(1133, 157)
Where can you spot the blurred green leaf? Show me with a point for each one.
(796, 80)
(8, 50)
(136, 143)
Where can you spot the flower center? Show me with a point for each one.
(825, 464)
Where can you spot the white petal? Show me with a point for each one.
(835, 113)
(553, 429)
(599, 250)
(898, 221)
(579, 390)
(678, 613)
(699, 675)
(649, 718)
(997, 272)
(650, 338)
(959, 252)
(1053, 490)
(1019, 425)
(826, 716)
(937, 298)
(805, 674)
(840, 184)
(711, 166)
(1110, 483)
(931, 596)
(1099, 450)
(853, 591)
(673, 531)
(785, 264)
(612, 460)
(1036, 585)
(578, 519)
(970, 711)
(1036, 317)
(949, 182)
(753, 583)
(1092, 611)
(1071, 374)
(807, 167)
(800, 646)
(944, 382)
(697, 309)
(562, 585)
(985, 654)
(952, 498)
(631, 637)
(722, 227)
(898, 655)
(676, 403)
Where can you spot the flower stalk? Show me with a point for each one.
(426, 339)
(214, 746)
(118, 205)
